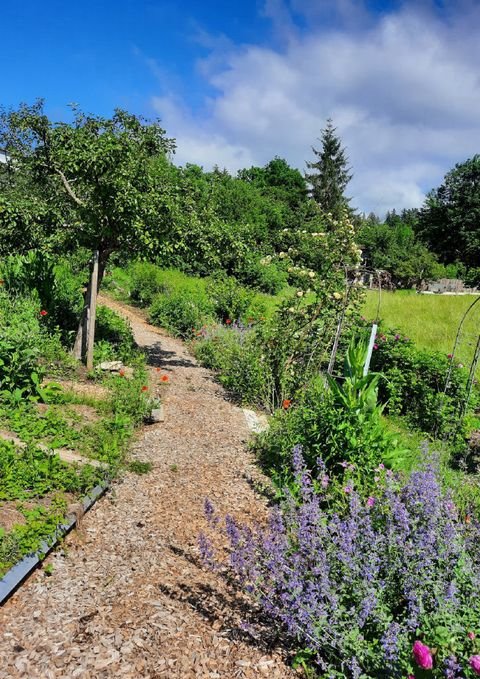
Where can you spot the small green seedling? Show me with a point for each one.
(138, 467)
(48, 569)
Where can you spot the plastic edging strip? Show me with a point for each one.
(14, 577)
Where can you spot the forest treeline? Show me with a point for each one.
(112, 184)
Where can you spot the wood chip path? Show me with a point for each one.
(128, 596)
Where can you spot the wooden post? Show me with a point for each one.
(92, 311)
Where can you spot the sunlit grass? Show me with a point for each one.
(431, 321)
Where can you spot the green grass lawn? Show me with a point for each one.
(430, 320)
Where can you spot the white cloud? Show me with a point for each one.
(404, 93)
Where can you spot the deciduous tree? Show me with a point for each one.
(96, 172)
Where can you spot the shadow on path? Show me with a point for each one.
(161, 358)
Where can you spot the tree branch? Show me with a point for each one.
(68, 187)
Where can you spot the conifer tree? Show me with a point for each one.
(330, 172)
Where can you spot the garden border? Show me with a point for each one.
(18, 573)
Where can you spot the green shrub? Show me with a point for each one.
(414, 381)
(51, 282)
(325, 426)
(115, 335)
(180, 312)
(145, 282)
(229, 299)
(251, 272)
(235, 354)
(20, 341)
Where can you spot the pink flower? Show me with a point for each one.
(381, 466)
(423, 656)
(475, 663)
(397, 337)
(375, 346)
(348, 489)
(370, 501)
(471, 636)
(450, 356)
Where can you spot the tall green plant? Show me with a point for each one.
(357, 392)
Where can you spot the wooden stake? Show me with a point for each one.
(92, 311)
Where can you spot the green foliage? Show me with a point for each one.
(472, 277)
(95, 171)
(181, 313)
(40, 524)
(33, 473)
(251, 272)
(237, 356)
(146, 281)
(130, 403)
(393, 247)
(449, 221)
(140, 468)
(413, 383)
(230, 300)
(115, 333)
(20, 339)
(328, 427)
(356, 392)
(331, 173)
(431, 321)
(51, 282)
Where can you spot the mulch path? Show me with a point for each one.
(128, 596)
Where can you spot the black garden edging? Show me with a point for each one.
(22, 569)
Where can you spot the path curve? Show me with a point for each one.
(128, 597)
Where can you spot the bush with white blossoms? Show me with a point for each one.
(298, 339)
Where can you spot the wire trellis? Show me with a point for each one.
(354, 277)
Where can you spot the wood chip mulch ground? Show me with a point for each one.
(128, 596)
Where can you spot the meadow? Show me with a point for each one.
(431, 321)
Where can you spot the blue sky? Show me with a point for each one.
(237, 83)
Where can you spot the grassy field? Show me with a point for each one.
(430, 320)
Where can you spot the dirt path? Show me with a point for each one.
(128, 597)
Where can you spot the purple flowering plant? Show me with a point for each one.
(384, 586)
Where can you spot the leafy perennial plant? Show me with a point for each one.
(381, 587)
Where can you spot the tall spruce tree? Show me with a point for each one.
(330, 172)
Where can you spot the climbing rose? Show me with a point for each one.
(43, 312)
(450, 356)
(287, 402)
(164, 378)
(228, 321)
(423, 655)
(471, 636)
(475, 663)
(121, 372)
(144, 388)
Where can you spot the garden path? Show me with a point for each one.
(128, 596)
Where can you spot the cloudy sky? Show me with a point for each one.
(238, 83)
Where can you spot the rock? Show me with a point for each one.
(112, 366)
(256, 423)
(157, 415)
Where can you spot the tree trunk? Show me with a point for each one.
(80, 348)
